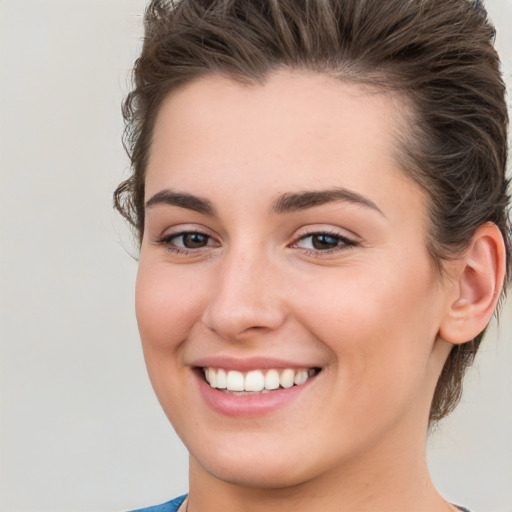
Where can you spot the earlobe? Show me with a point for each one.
(479, 277)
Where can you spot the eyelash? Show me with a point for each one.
(167, 241)
(343, 243)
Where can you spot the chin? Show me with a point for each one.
(272, 476)
(255, 469)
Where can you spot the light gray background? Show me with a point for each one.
(80, 427)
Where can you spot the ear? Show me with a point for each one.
(478, 279)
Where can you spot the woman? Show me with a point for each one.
(320, 197)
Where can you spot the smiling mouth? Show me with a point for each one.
(256, 381)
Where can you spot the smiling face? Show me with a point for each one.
(282, 241)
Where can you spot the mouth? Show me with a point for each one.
(255, 382)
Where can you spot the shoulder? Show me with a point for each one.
(169, 506)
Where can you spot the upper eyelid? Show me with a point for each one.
(180, 229)
(323, 232)
(166, 237)
(344, 239)
(331, 230)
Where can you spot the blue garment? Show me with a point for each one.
(170, 506)
(174, 505)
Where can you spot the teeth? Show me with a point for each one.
(256, 381)
(286, 378)
(212, 377)
(235, 381)
(221, 381)
(300, 377)
(272, 379)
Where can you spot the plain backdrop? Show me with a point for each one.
(80, 427)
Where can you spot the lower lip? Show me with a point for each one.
(247, 406)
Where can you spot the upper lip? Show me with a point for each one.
(247, 364)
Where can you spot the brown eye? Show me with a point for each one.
(323, 242)
(186, 241)
(194, 240)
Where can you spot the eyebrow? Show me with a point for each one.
(293, 202)
(290, 202)
(183, 200)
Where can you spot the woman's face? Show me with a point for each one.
(283, 243)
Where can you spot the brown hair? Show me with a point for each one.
(437, 53)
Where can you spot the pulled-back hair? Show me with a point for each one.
(436, 54)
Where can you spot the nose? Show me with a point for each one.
(247, 297)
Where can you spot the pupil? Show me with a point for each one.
(194, 240)
(324, 242)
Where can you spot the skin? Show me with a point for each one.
(368, 313)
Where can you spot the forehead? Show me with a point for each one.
(291, 100)
(298, 130)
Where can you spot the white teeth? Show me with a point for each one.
(234, 381)
(272, 379)
(256, 381)
(212, 377)
(286, 378)
(300, 377)
(221, 379)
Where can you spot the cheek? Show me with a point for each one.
(168, 303)
(379, 329)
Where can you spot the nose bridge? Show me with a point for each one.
(246, 296)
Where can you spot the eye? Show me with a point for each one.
(186, 241)
(323, 242)
(191, 240)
